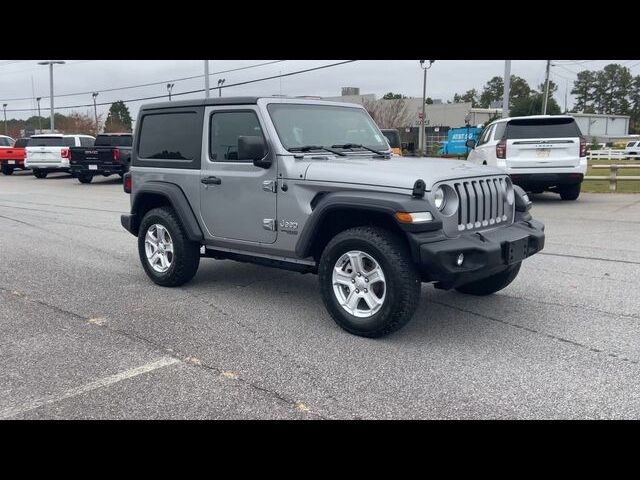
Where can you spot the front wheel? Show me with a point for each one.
(492, 284)
(40, 173)
(168, 257)
(570, 192)
(368, 282)
(84, 178)
(7, 170)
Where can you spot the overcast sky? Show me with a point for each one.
(26, 79)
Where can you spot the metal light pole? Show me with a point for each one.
(507, 88)
(421, 132)
(39, 116)
(546, 89)
(4, 107)
(220, 83)
(170, 87)
(51, 63)
(95, 108)
(206, 79)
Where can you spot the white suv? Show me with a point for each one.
(50, 152)
(632, 149)
(540, 153)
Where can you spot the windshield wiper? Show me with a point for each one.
(308, 148)
(351, 146)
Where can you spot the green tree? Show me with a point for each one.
(584, 89)
(494, 90)
(532, 105)
(118, 118)
(468, 96)
(393, 96)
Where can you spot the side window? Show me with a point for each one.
(226, 128)
(486, 135)
(170, 139)
(86, 142)
(499, 131)
(69, 141)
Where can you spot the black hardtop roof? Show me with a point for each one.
(200, 102)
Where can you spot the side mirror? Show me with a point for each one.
(253, 148)
(471, 143)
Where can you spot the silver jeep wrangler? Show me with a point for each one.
(311, 186)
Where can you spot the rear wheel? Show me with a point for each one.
(40, 173)
(368, 282)
(492, 284)
(570, 192)
(168, 257)
(7, 170)
(85, 178)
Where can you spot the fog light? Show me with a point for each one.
(460, 259)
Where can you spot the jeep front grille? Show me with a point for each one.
(482, 202)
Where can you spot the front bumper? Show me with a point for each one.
(485, 253)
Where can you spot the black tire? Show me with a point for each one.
(40, 173)
(84, 178)
(492, 284)
(402, 293)
(186, 254)
(570, 192)
(7, 170)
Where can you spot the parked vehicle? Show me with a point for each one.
(310, 186)
(12, 157)
(50, 152)
(632, 149)
(110, 154)
(540, 153)
(393, 137)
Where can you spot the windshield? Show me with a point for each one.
(542, 128)
(113, 141)
(51, 142)
(300, 125)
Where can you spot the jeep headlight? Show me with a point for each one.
(439, 198)
(507, 189)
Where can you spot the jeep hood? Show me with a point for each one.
(398, 172)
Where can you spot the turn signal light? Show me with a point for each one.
(64, 153)
(127, 182)
(116, 155)
(414, 217)
(501, 149)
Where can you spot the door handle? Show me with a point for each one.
(211, 181)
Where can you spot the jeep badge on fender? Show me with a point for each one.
(204, 183)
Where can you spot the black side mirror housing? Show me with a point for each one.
(471, 143)
(253, 148)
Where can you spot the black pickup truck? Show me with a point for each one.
(110, 154)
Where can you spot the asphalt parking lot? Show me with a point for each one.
(85, 334)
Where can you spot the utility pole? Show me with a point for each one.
(566, 92)
(507, 88)
(4, 107)
(95, 109)
(51, 63)
(206, 79)
(546, 89)
(421, 132)
(39, 116)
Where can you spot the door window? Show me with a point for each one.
(226, 129)
(486, 135)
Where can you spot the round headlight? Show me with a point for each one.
(438, 198)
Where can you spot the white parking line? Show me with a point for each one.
(103, 382)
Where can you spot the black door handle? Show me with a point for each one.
(211, 181)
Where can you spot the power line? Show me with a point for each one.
(155, 97)
(149, 84)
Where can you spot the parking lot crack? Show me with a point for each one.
(539, 332)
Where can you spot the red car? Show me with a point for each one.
(12, 157)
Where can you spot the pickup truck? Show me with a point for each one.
(12, 157)
(111, 153)
(50, 152)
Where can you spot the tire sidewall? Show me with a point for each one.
(347, 321)
(152, 218)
